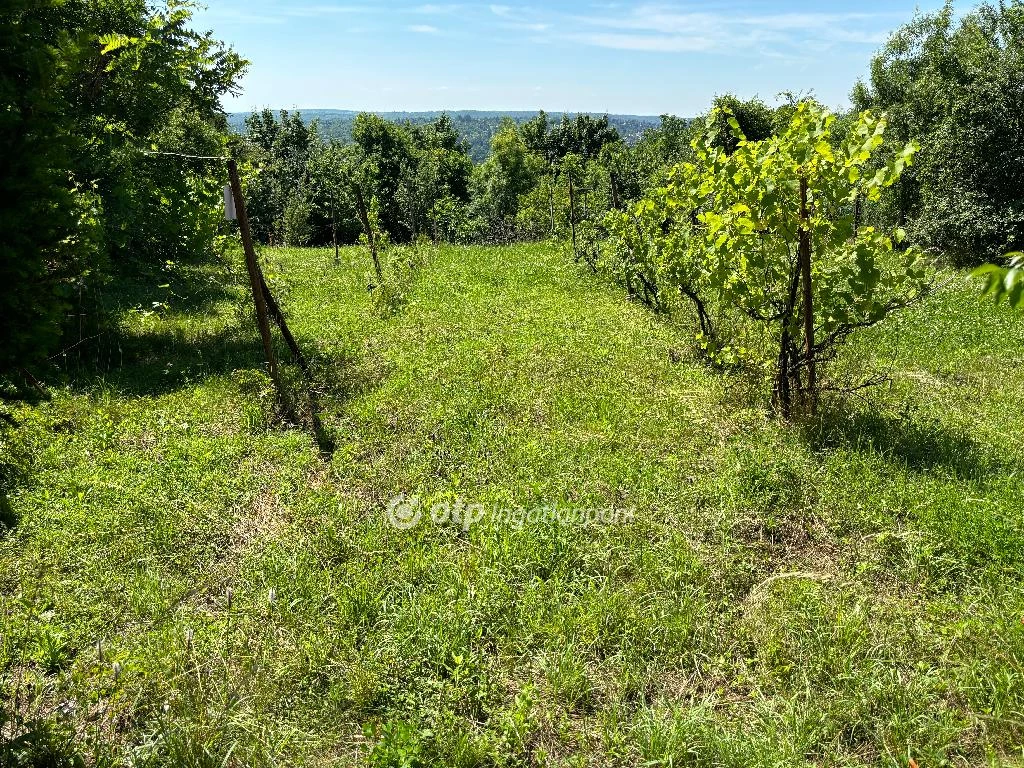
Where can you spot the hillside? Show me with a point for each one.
(476, 126)
(185, 582)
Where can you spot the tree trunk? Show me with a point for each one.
(781, 396)
(334, 230)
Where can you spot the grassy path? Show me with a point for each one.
(847, 594)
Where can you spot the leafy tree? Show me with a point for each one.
(510, 172)
(90, 89)
(279, 149)
(956, 85)
(762, 243)
(45, 215)
(387, 149)
(440, 170)
(583, 136)
(147, 81)
(536, 134)
(333, 215)
(755, 118)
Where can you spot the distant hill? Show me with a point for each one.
(476, 126)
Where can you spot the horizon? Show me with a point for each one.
(450, 111)
(576, 56)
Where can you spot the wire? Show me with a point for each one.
(187, 157)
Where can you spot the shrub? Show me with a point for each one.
(764, 243)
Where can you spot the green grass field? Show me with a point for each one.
(184, 581)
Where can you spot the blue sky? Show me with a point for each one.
(573, 55)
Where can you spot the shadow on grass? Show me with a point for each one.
(920, 443)
(160, 361)
(8, 517)
(192, 289)
(10, 476)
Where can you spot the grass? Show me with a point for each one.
(184, 581)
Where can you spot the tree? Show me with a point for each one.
(389, 151)
(755, 118)
(762, 243)
(279, 151)
(440, 170)
(44, 214)
(149, 82)
(582, 135)
(90, 90)
(957, 87)
(510, 172)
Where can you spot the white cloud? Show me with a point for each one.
(423, 29)
(657, 43)
(432, 9)
(666, 27)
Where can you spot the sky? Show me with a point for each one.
(645, 58)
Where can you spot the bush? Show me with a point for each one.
(763, 242)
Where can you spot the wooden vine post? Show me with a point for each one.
(371, 239)
(267, 308)
(572, 215)
(334, 229)
(255, 280)
(808, 299)
(551, 198)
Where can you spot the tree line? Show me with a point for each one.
(477, 128)
(107, 103)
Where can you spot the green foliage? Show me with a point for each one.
(297, 225)
(756, 121)
(723, 236)
(665, 146)
(280, 154)
(582, 135)
(1004, 282)
(510, 172)
(48, 218)
(155, 84)
(88, 90)
(388, 150)
(301, 185)
(955, 84)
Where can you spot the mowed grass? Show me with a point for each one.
(186, 581)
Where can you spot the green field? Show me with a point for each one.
(186, 581)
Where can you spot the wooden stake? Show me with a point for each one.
(322, 438)
(551, 199)
(334, 229)
(572, 216)
(805, 277)
(364, 217)
(255, 282)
